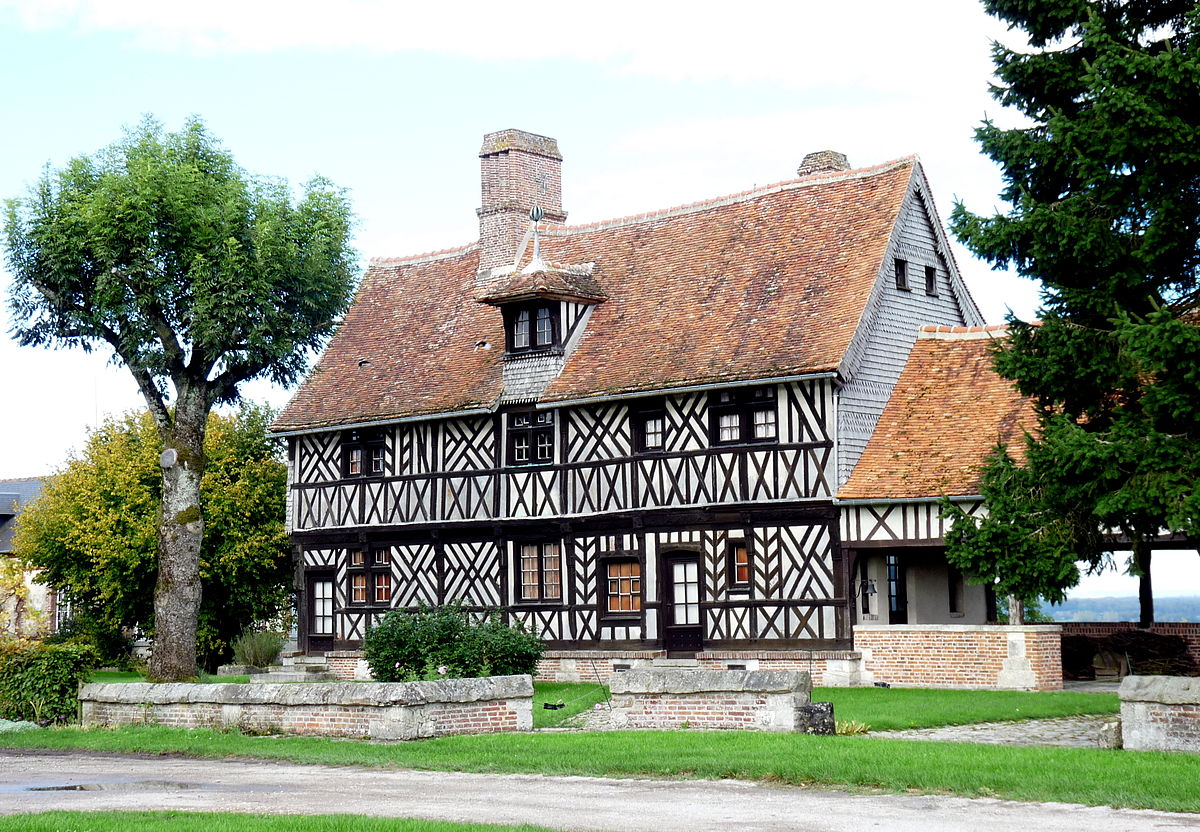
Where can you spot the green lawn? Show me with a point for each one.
(228, 822)
(131, 676)
(1075, 775)
(576, 698)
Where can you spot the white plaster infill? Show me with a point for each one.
(397, 711)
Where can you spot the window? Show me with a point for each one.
(901, 268)
(738, 559)
(624, 592)
(931, 281)
(370, 577)
(954, 585)
(743, 415)
(364, 453)
(540, 572)
(532, 327)
(650, 426)
(531, 437)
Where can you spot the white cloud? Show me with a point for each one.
(871, 44)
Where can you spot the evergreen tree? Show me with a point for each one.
(1103, 184)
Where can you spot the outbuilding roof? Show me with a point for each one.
(947, 412)
(767, 283)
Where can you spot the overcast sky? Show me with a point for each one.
(653, 104)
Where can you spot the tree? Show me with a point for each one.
(93, 530)
(1103, 185)
(198, 277)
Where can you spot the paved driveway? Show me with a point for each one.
(33, 781)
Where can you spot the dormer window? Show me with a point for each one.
(532, 327)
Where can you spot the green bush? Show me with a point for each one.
(257, 649)
(416, 645)
(111, 645)
(40, 682)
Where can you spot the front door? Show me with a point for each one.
(897, 587)
(683, 627)
(320, 612)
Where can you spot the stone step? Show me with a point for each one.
(680, 663)
(280, 677)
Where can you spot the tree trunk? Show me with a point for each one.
(1016, 610)
(180, 532)
(1141, 559)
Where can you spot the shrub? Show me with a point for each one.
(413, 645)
(257, 649)
(111, 645)
(40, 682)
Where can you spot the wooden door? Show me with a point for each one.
(897, 586)
(682, 621)
(320, 612)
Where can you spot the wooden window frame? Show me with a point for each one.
(539, 433)
(732, 546)
(641, 414)
(512, 314)
(370, 446)
(602, 577)
(369, 566)
(900, 271)
(931, 281)
(542, 595)
(744, 402)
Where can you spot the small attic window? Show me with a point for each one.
(901, 270)
(931, 281)
(532, 327)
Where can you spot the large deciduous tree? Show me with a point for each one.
(93, 530)
(198, 277)
(1103, 184)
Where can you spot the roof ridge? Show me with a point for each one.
(425, 257)
(820, 178)
(941, 332)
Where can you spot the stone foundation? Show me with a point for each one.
(399, 711)
(1160, 713)
(829, 668)
(961, 656)
(761, 700)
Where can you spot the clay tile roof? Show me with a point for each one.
(771, 282)
(947, 412)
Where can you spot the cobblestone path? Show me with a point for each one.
(1074, 731)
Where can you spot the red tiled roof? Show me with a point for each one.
(770, 282)
(947, 412)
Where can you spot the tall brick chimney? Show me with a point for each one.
(519, 170)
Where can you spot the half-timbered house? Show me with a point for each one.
(630, 434)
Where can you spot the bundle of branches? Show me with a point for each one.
(1151, 654)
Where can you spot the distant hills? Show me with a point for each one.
(1185, 608)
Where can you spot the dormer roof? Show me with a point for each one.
(767, 283)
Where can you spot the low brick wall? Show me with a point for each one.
(754, 700)
(348, 665)
(961, 656)
(1188, 631)
(1160, 713)
(830, 668)
(396, 711)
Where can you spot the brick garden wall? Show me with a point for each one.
(1160, 713)
(343, 663)
(962, 656)
(1188, 631)
(831, 668)
(408, 710)
(764, 700)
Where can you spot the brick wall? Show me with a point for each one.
(1188, 631)
(410, 710)
(662, 698)
(830, 668)
(962, 656)
(1160, 713)
(343, 663)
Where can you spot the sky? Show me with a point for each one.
(653, 105)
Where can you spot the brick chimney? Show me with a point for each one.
(823, 161)
(519, 170)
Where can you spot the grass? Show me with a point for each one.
(1141, 780)
(133, 676)
(576, 697)
(894, 709)
(229, 822)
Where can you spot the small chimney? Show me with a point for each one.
(822, 161)
(519, 171)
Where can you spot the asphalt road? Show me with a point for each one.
(35, 781)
